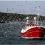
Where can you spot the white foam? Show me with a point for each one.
(27, 28)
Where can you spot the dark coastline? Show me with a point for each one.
(10, 30)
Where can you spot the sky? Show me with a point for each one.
(24, 7)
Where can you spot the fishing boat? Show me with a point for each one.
(32, 30)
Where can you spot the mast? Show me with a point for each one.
(38, 14)
(36, 18)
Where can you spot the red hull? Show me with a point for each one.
(32, 33)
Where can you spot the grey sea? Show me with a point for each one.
(10, 34)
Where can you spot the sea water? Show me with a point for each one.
(10, 34)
